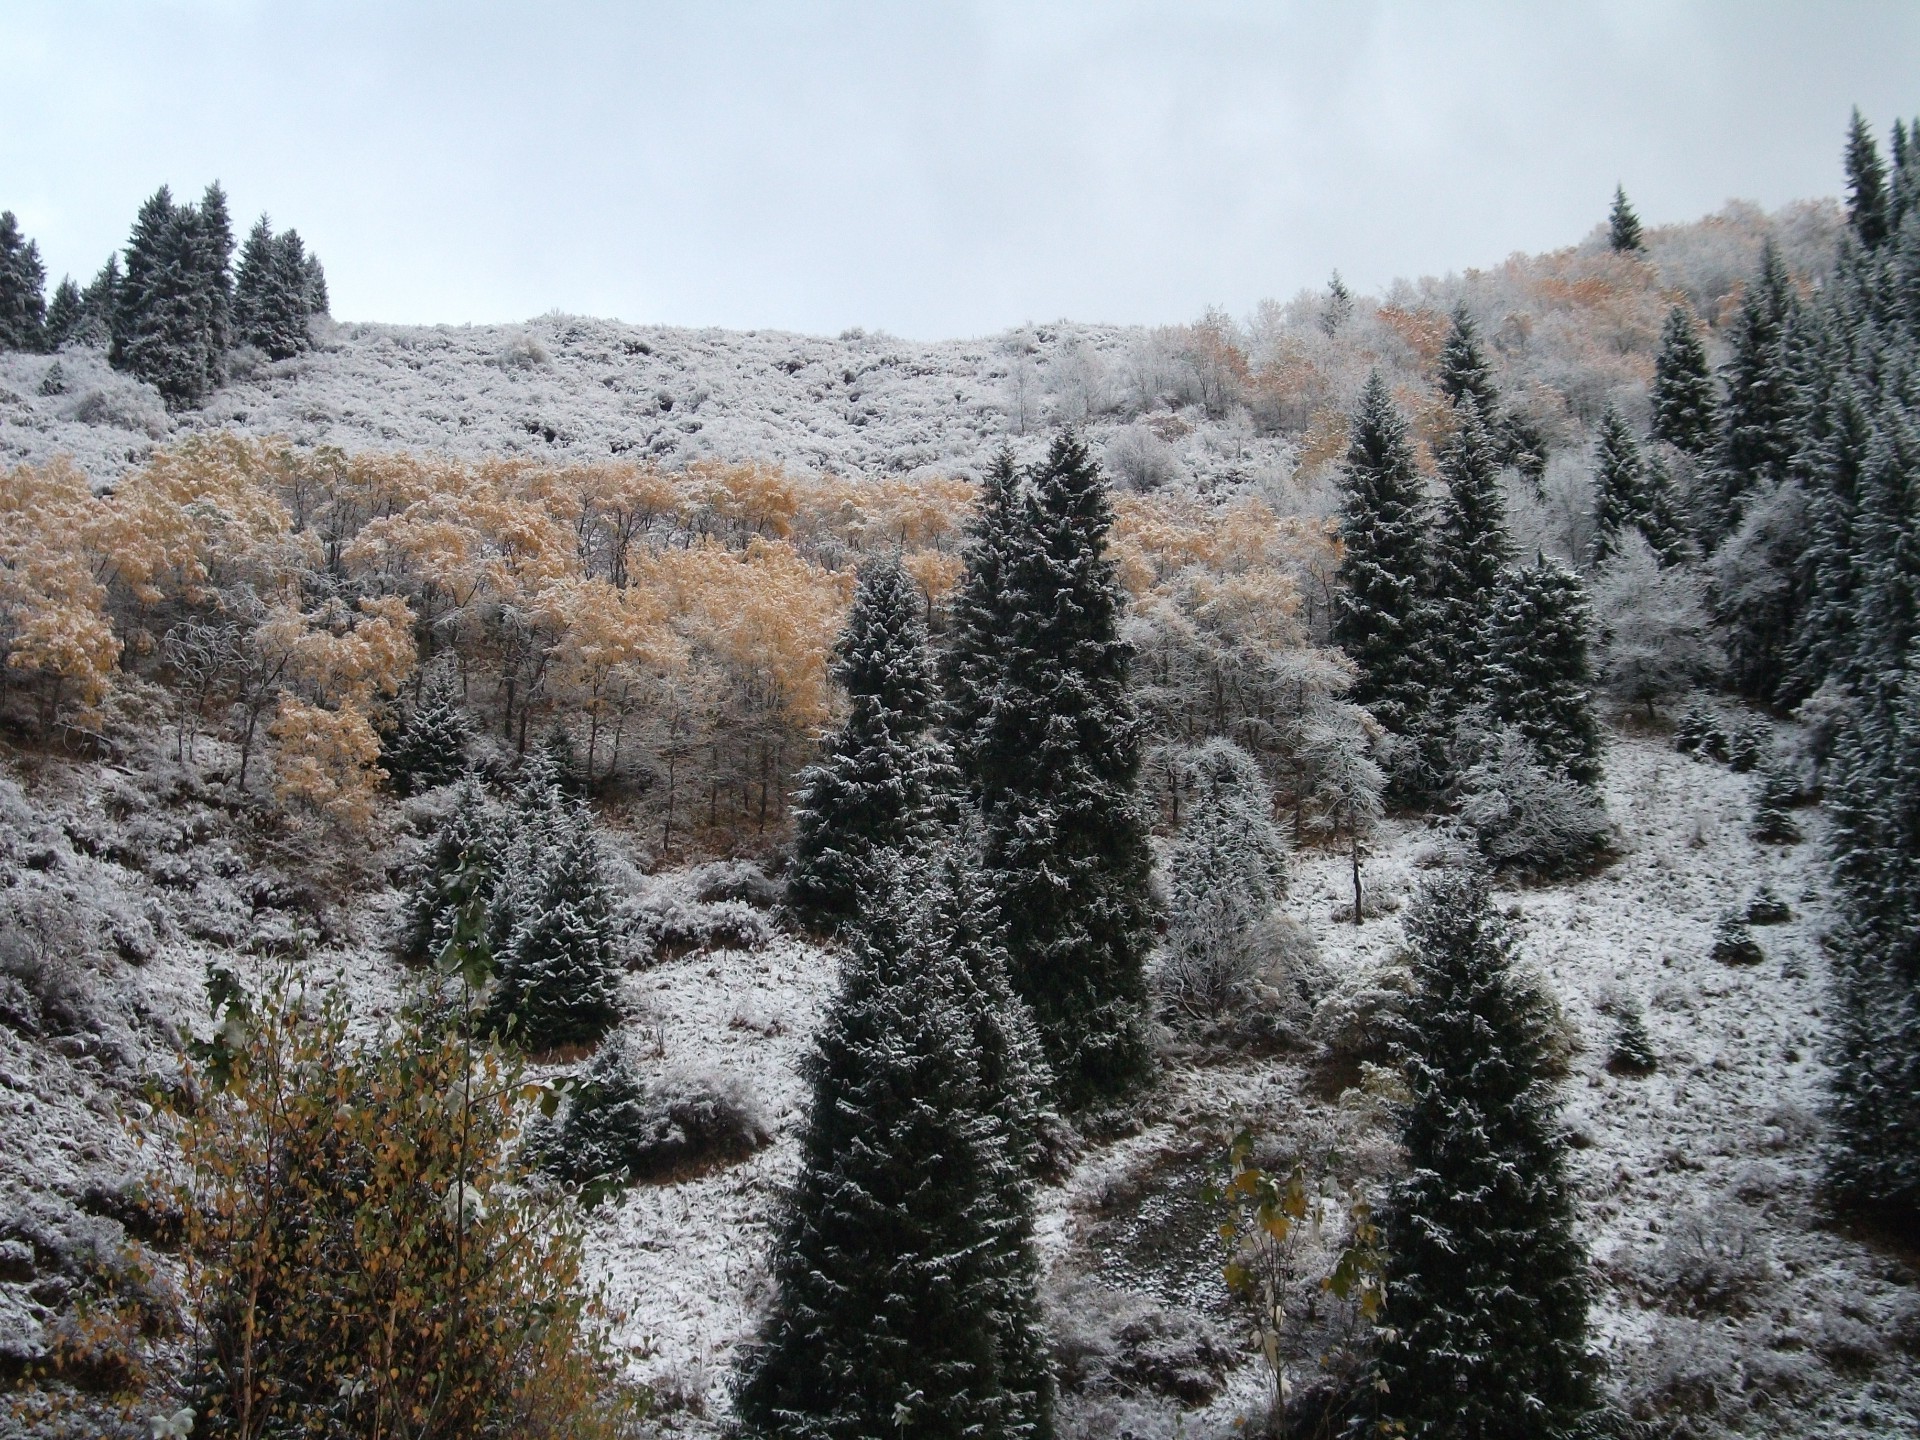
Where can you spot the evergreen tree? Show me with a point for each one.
(65, 313)
(1471, 547)
(429, 745)
(1488, 1282)
(979, 614)
(1381, 619)
(876, 787)
(1623, 226)
(1866, 185)
(459, 866)
(1464, 374)
(1758, 420)
(1337, 308)
(1055, 761)
(1631, 1052)
(213, 273)
(1683, 398)
(1619, 485)
(23, 285)
(165, 314)
(98, 304)
(276, 292)
(1226, 872)
(1772, 807)
(1540, 679)
(904, 1265)
(558, 981)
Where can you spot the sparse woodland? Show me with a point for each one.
(1194, 881)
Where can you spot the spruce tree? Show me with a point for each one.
(1683, 395)
(1471, 547)
(98, 304)
(65, 313)
(1381, 619)
(1866, 186)
(23, 285)
(212, 261)
(979, 614)
(875, 789)
(1464, 374)
(1488, 1283)
(166, 310)
(1054, 761)
(904, 1265)
(558, 981)
(1623, 226)
(1337, 308)
(459, 866)
(1759, 418)
(1540, 678)
(276, 292)
(429, 745)
(1632, 494)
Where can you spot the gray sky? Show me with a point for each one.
(929, 169)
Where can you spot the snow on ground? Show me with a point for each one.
(573, 390)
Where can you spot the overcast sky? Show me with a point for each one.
(928, 169)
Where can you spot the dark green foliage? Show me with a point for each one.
(212, 252)
(1380, 617)
(1767, 908)
(1471, 547)
(1631, 1051)
(1684, 406)
(428, 746)
(877, 787)
(1540, 679)
(1758, 419)
(1464, 375)
(904, 1264)
(98, 305)
(980, 613)
(1337, 308)
(1054, 759)
(279, 288)
(561, 759)
(1700, 734)
(1619, 484)
(1623, 226)
(1487, 1284)
(23, 285)
(65, 312)
(459, 866)
(1733, 942)
(1866, 186)
(557, 978)
(1772, 808)
(172, 310)
(1746, 747)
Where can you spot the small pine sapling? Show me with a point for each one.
(1733, 942)
(1699, 733)
(1767, 908)
(1746, 748)
(1631, 1052)
(1772, 817)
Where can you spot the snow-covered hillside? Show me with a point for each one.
(1722, 1292)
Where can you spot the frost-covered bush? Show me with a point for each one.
(1526, 817)
(1767, 908)
(1356, 1019)
(1733, 942)
(617, 1127)
(1141, 460)
(1655, 635)
(1700, 733)
(671, 924)
(739, 881)
(1711, 1261)
(121, 403)
(1107, 1340)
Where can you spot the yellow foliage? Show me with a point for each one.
(327, 760)
(52, 608)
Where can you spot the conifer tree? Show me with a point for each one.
(212, 251)
(1054, 761)
(1619, 486)
(1381, 620)
(1866, 185)
(875, 788)
(1464, 374)
(459, 867)
(979, 614)
(279, 288)
(904, 1266)
(1337, 308)
(98, 303)
(1471, 547)
(429, 746)
(65, 313)
(1683, 397)
(558, 981)
(1758, 421)
(1540, 679)
(23, 284)
(1487, 1281)
(1623, 226)
(167, 309)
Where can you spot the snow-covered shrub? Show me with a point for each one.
(738, 881)
(522, 352)
(1747, 747)
(1655, 635)
(1700, 733)
(122, 403)
(1772, 822)
(1711, 1261)
(1631, 1051)
(1767, 908)
(1355, 1021)
(1526, 817)
(1119, 1341)
(1733, 942)
(671, 924)
(43, 990)
(617, 1127)
(1140, 460)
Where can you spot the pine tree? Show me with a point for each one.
(558, 981)
(1225, 874)
(1464, 374)
(1380, 619)
(1631, 1052)
(1471, 547)
(1623, 226)
(1337, 308)
(1866, 186)
(1540, 676)
(167, 308)
(876, 787)
(65, 312)
(1055, 762)
(98, 304)
(213, 261)
(1487, 1281)
(1619, 485)
(459, 866)
(23, 284)
(280, 287)
(904, 1265)
(1683, 395)
(429, 745)
(979, 614)
(1772, 807)
(1758, 421)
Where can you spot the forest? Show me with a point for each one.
(589, 880)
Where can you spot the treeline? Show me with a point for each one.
(170, 307)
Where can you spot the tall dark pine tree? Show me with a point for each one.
(979, 614)
(1683, 399)
(276, 292)
(1631, 494)
(1471, 547)
(1758, 420)
(1540, 678)
(99, 303)
(458, 867)
(65, 313)
(429, 745)
(1623, 226)
(1464, 374)
(1381, 619)
(23, 286)
(1488, 1283)
(1054, 761)
(1866, 186)
(213, 262)
(876, 788)
(904, 1266)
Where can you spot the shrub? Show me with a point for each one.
(739, 882)
(1711, 1261)
(1699, 734)
(1527, 817)
(1733, 942)
(361, 1251)
(1632, 1050)
(670, 925)
(1767, 908)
